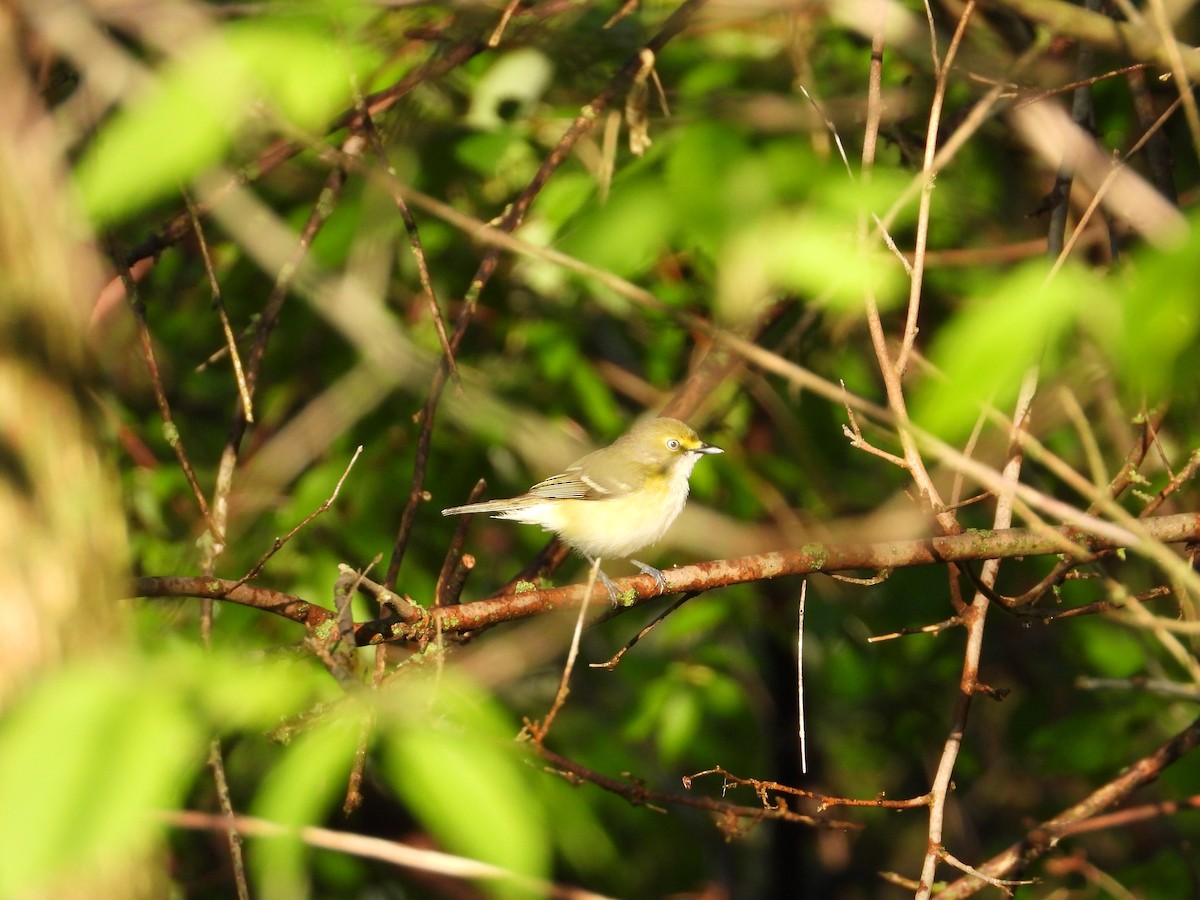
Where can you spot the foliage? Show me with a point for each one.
(741, 272)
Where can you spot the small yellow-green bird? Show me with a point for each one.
(615, 501)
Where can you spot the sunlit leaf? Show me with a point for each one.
(186, 119)
(85, 761)
(627, 233)
(1157, 329)
(804, 253)
(984, 351)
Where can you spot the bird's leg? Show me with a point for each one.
(613, 594)
(659, 578)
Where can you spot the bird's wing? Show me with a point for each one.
(582, 482)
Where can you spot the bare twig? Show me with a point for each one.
(279, 542)
(170, 430)
(414, 239)
(613, 661)
(539, 730)
(235, 358)
(731, 816)
(974, 618)
(391, 852)
(455, 566)
(927, 172)
(764, 789)
(800, 677)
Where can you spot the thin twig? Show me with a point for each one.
(927, 171)
(452, 577)
(615, 659)
(170, 430)
(235, 358)
(539, 730)
(974, 618)
(731, 816)
(391, 852)
(279, 542)
(803, 737)
(414, 240)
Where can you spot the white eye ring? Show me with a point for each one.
(672, 444)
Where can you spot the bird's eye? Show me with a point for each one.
(672, 444)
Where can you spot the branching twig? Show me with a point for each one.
(731, 815)
(974, 618)
(170, 430)
(279, 542)
(1045, 836)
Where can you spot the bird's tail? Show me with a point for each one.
(488, 506)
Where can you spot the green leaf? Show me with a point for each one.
(626, 234)
(1154, 336)
(984, 351)
(85, 761)
(809, 253)
(187, 118)
(311, 774)
(457, 767)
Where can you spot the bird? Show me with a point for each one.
(615, 501)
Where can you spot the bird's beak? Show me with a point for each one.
(708, 448)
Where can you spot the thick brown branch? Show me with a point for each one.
(466, 617)
(971, 545)
(286, 605)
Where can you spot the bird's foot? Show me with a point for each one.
(659, 578)
(614, 595)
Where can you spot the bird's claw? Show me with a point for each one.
(659, 578)
(613, 594)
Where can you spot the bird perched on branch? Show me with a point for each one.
(614, 501)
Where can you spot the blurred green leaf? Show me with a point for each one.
(805, 253)
(1154, 334)
(626, 234)
(308, 779)
(186, 119)
(1110, 651)
(85, 760)
(488, 153)
(456, 764)
(985, 349)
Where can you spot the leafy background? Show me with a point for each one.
(736, 269)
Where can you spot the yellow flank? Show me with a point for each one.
(613, 527)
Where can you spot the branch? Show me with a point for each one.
(732, 815)
(468, 617)
(1098, 30)
(367, 847)
(1045, 836)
